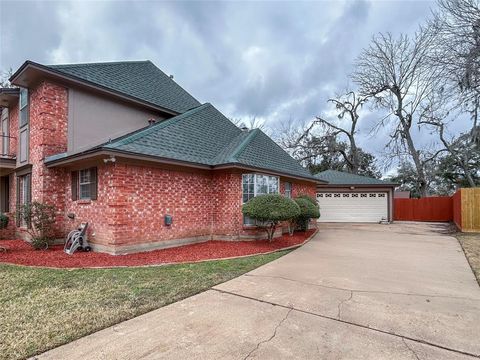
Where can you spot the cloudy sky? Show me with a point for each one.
(277, 61)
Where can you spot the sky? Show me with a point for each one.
(276, 61)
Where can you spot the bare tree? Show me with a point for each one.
(4, 76)
(395, 73)
(348, 106)
(455, 28)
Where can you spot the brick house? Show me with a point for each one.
(122, 145)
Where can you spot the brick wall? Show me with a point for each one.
(48, 136)
(132, 199)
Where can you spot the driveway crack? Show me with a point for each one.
(362, 291)
(410, 349)
(271, 337)
(340, 304)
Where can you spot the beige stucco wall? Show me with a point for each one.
(94, 119)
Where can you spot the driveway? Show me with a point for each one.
(356, 291)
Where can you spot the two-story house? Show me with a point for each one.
(123, 147)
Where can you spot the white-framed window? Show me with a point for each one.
(85, 181)
(84, 184)
(288, 190)
(257, 184)
(23, 106)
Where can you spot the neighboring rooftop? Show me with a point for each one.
(205, 136)
(335, 177)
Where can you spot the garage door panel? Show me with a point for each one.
(352, 207)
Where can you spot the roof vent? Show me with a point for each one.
(151, 121)
(244, 128)
(171, 77)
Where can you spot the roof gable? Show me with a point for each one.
(335, 177)
(139, 79)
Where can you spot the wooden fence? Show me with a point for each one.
(466, 204)
(424, 209)
(463, 208)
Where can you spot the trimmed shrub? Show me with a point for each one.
(270, 210)
(40, 219)
(3, 221)
(309, 209)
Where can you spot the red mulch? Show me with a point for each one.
(21, 253)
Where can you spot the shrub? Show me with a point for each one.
(309, 209)
(270, 210)
(3, 221)
(40, 219)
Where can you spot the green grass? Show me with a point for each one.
(471, 246)
(44, 308)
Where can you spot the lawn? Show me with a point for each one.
(44, 308)
(471, 246)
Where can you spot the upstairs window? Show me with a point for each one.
(23, 107)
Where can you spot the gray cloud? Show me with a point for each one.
(278, 61)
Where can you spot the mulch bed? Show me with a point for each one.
(21, 253)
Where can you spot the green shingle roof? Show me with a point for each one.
(343, 178)
(205, 136)
(138, 79)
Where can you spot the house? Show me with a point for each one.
(123, 147)
(353, 198)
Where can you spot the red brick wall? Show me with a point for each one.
(48, 136)
(132, 199)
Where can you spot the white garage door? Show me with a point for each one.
(352, 207)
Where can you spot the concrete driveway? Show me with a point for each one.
(356, 291)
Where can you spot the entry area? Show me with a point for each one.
(353, 206)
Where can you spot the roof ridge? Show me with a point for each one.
(102, 63)
(252, 134)
(137, 134)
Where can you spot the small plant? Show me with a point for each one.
(309, 209)
(3, 221)
(40, 219)
(270, 210)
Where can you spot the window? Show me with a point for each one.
(288, 190)
(24, 195)
(84, 184)
(4, 132)
(257, 184)
(23, 107)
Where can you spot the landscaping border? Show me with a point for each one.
(291, 247)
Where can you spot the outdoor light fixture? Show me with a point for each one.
(168, 220)
(352, 187)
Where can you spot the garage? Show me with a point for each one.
(354, 198)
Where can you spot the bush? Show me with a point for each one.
(40, 219)
(309, 209)
(3, 221)
(270, 210)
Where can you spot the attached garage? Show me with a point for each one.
(353, 198)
